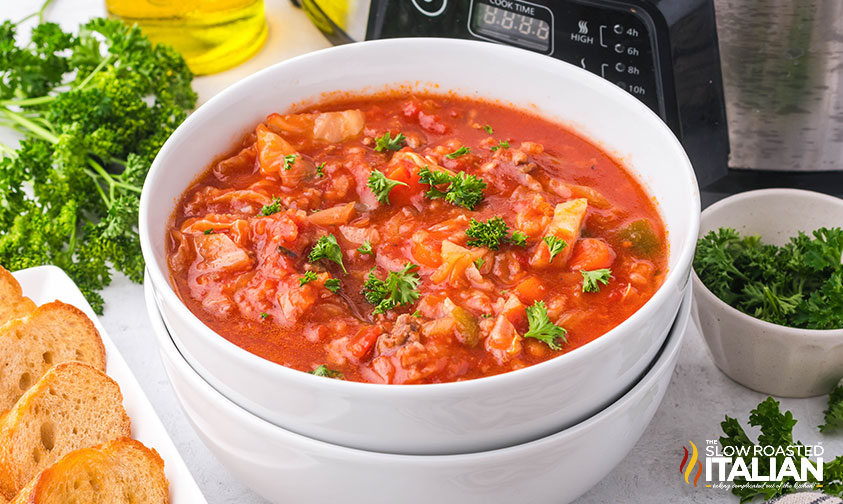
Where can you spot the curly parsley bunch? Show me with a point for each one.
(94, 108)
(799, 284)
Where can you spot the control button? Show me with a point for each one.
(619, 48)
(431, 8)
(602, 42)
(618, 29)
(620, 67)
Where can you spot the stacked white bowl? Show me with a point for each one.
(286, 467)
(579, 412)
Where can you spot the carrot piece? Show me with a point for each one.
(426, 249)
(530, 290)
(364, 342)
(591, 254)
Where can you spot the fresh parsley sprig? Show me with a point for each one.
(592, 279)
(834, 412)
(289, 161)
(503, 144)
(381, 185)
(542, 329)
(333, 285)
(399, 288)
(462, 151)
(366, 248)
(387, 142)
(327, 248)
(554, 244)
(308, 277)
(492, 233)
(463, 190)
(272, 208)
(323, 370)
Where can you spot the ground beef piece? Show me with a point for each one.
(406, 330)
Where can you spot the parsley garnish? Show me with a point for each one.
(289, 161)
(381, 185)
(322, 370)
(797, 285)
(834, 412)
(491, 233)
(308, 277)
(366, 248)
(591, 280)
(462, 151)
(320, 170)
(555, 245)
(488, 129)
(209, 231)
(264, 315)
(416, 314)
(327, 248)
(479, 262)
(518, 238)
(399, 288)
(387, 142)
(542, 328)
(333, 285)
(463, 190)
(776, 432)
(271, 208)
(503, 144)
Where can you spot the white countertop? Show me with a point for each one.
(696, 402)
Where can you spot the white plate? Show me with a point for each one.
(45, 284)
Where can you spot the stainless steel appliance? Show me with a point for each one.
(754, 90)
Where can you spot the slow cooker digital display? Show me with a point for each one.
(513, 22)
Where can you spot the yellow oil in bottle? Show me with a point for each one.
(212, 35)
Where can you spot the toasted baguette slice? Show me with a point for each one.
(52, 334)
(114, 473)
(72, 406)
(12, 302)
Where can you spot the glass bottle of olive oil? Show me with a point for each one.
(212, 35)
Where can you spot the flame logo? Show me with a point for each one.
(687, 470)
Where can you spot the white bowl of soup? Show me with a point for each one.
(285, 467)
(469, 245)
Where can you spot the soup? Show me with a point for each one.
(419, 239)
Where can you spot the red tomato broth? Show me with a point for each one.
(230, 291)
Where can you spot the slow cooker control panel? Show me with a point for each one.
(611, 39)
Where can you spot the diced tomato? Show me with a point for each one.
(364, 341)
(403, 195)
(591, 254)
